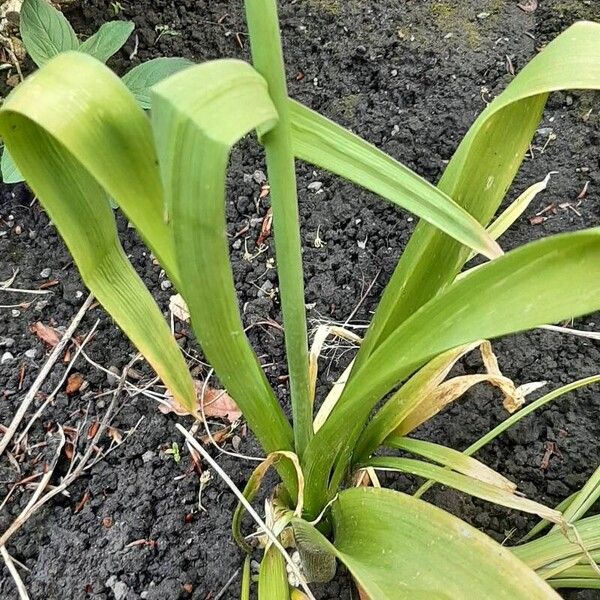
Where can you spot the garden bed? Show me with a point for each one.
(409, 76)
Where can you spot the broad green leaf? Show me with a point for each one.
(10, 171)
(141, 78)
(71, 159)
(107, 40)
(475, 487)
(400, 548)
(272, 577)
(323, 143)
(454, 459)
(45, 31)
(84, 105)
(543, 282)
(197, 116)
(481, 171)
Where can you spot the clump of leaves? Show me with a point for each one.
(46, 32)
(80, 137)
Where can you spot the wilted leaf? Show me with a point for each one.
(48, 335)
(179, 308)
(217, 403)
(529, 6)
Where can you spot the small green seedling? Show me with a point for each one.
(46, 32)
(174, 452)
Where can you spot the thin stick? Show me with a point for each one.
(272, 537)
(29, 508)
(23, 595)
(39, 380)
(55, 391)
(227, 585)
(67, 481)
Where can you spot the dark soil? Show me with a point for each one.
(389, 71)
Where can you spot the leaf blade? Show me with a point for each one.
(142, 77)
(400, 548)
(108, 40)
(321, 142)
(45, 31)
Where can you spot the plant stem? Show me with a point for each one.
(267, 55)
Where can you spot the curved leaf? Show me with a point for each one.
(197, 116)
(323, 143)
(545, 281)
(481, 171)
(400, 548)
(76, 133)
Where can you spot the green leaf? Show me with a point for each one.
(400, 548)
(141, 78)
(73, 160)
(323, 143)
(521, 414)
(267, 57)
(45, 31)
(197, 116)
(543, 282)
(110, 38)
(556, 546)
(469, 485)
(10, 171)
(481, 171)
(448, 457)
(272, 577)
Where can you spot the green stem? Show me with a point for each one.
(265, 40)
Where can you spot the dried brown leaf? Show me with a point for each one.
(529, 6)
(74, 383)
(265, 230)
(84, 500)
(216, 403)
(48, 335)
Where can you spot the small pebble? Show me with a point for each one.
(483, 15)
(569, 102)
(40, 305)
(165, 285)
(265, 288)
(237, 244)
(6, 357)
(31, 353)
(259, 177)
(315, 186)
(45, 273)
(18, 230)
(7, 342)
(114, 375)
(148, 456)
(15, 313)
